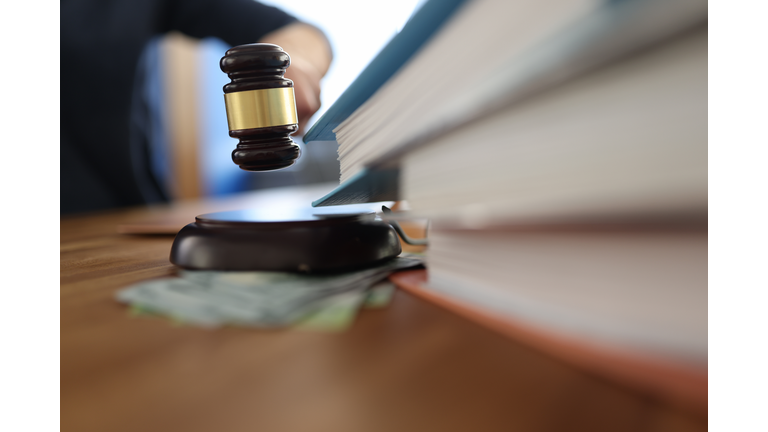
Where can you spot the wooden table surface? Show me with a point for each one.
(410, 367)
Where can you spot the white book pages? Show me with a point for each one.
(482, 37)
(643, 291)
(629, 140)
(523, 47)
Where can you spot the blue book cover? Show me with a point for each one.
(416, 32)
(365, 187)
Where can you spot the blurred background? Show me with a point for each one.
(188, 120)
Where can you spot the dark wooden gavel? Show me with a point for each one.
(261, 107)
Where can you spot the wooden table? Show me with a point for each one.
(412, 366)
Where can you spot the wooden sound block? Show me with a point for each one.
(293, 240)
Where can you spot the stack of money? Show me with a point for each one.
(262, 299)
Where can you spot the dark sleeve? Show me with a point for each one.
(236, 22)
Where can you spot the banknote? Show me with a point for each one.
(335, 314)
(380, 295)
(338, 312)
(259, 299)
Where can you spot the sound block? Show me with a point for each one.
(290, 240)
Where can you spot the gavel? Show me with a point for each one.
(261, 107)
(261, 112)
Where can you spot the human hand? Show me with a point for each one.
(311, 56)
(306, 87)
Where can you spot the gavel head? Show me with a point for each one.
(261, 108)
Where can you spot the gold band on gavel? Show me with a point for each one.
(261, 108)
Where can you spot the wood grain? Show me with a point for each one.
(412, 366)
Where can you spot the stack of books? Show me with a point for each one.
(559, 149)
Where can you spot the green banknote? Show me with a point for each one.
(264, 299)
